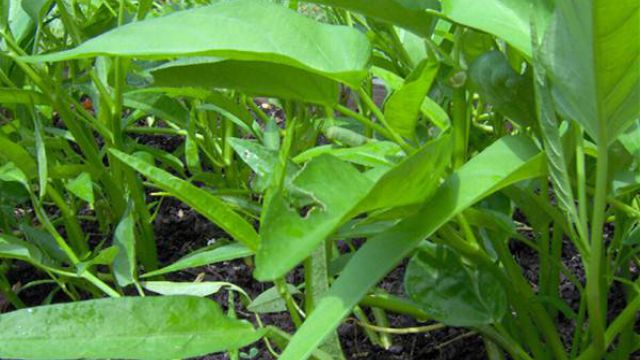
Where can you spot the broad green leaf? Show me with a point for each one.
(286, 237)
(251, 77)
(270, 301)
(509, 160)
(429, 107)
(506, 19)
(450, 291)
(200, 200)
(124, 239)
(403, 107)
(246, 30)
(409, 14)
(510, 93)
(339, 192)
(82, 187)
(19, 96)
(592, 56)
(411, 181)
(166, 327)
(200, 289)
(204, 257)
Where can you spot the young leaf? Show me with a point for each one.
(82, 187)
(270, 301)
(200, 200)
(403, 107)
(509, 160)
(168, 327)
(205, 257)
(452, 292)
(245, 30)
(124, 239)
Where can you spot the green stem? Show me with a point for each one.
(460, 127)
(627, 315)
(281, 285)
(512, 347)
(596, 297)
(394, 304)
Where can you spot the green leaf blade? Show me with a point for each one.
(126, 328)
(200, 200)
(244, 30)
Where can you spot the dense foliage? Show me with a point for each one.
(344, 137)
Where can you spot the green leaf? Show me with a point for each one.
(36, 8)
(245, 30)
(506, 19)
(411, 181)
(204, 257)
(124, 239)
(408, 14)
(14, 248)
(286, 237)
(82, 187)
(452, 292)
(592, 56)
(168, 327)
(251, 77)
(270, 301)
(20, 96)
(261, 160)
(374, 153)
(41, 155)
(13, 152)
(200, 289)
(510, 93)
(403, 107)
(509, 160)
(338, 192)
(157, 104)
(200, 200)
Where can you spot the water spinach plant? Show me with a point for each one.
(337, 139)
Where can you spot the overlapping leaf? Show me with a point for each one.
(244, 30)
(509, 160)
(337, 192)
